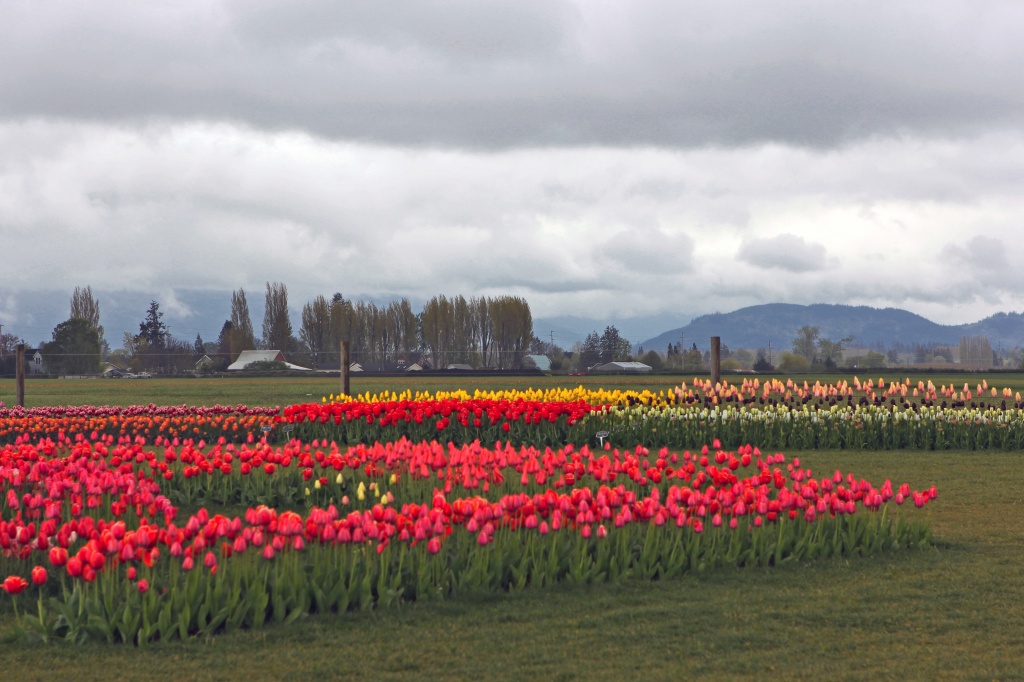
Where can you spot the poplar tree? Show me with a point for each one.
(315, 332)
(277, 324)
(85, 307)
(241, 335)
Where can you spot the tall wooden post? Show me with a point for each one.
(716, 359)
(19, 374)
(345, 362)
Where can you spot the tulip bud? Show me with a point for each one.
(39, 575)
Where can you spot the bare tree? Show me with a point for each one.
(241, 333)
(277, 324)
(85, 307)
(315, 332)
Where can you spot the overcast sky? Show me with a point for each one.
(596, 158)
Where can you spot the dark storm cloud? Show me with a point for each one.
(525, 73)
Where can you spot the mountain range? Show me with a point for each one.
(777, 324)
(33, 314)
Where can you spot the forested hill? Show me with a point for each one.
(755, 326)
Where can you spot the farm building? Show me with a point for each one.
(247, 357)
(541, 362)
(635, 367)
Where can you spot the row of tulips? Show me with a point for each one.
(816, 424)
(452, 419)
(130, 479)
(819, 423)
(147, 421)
(535, 416)
(750, 391)
(789, 392)
(836, 427)
(91, 523)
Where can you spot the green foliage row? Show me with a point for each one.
(248, 592)
(778, 427)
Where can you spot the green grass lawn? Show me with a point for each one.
(948, 612)
(232, 390)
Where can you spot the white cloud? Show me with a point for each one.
(221, 206)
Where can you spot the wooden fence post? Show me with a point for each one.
(19, 374)
(345, 362)
(716, 359)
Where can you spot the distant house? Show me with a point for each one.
(460, 367)
(205, 363)
(634, 367)
(112, 371)
(34, 358)
(247, 357)
(541, 362)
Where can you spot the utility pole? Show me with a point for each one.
(552, 341)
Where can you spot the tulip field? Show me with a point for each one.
(159, 526)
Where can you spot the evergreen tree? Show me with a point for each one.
(74, 350)
(590, 353)
(152, 329)
(224, 345)
(609, 344)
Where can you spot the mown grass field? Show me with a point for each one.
(951, 611)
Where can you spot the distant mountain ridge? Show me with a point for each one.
(33, 314)
(756, 326)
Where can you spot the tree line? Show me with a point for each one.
(493, 332)
(479, 331)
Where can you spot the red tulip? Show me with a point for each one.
(14, 584)
(58, 556)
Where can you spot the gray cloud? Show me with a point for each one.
(534, 73)
(784, 252)
(981, 251)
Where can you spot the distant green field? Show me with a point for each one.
(232, 390)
